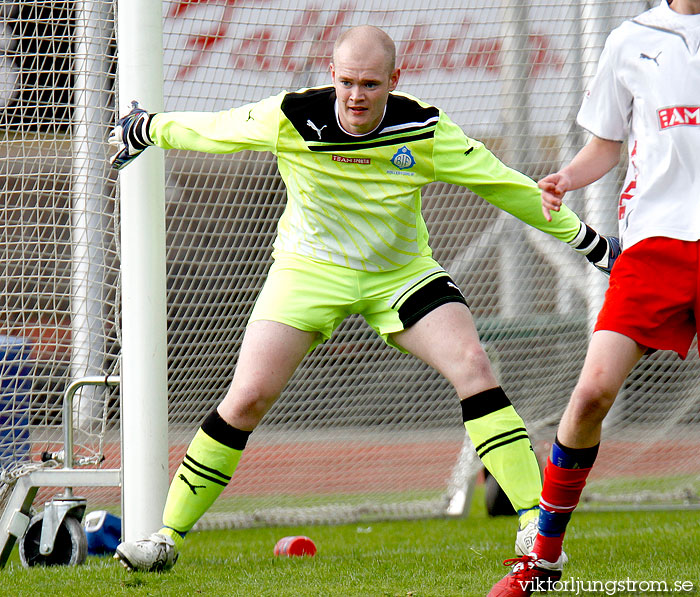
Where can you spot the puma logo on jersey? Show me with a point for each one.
(193, 488)
(644, 56)
(313, 126)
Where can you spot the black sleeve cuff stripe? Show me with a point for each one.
(484, 403)
(213, 471)
(598, 252)
(147, 129)
(138, 133)
(140, 136)
(203, 476)
(588, 238)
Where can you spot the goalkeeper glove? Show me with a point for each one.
(600, 250)
(130, 136)
(611, 254)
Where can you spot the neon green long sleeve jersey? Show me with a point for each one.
(354, 200)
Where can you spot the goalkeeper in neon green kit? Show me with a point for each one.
(354, 157)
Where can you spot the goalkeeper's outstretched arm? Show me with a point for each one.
(596, 159)
(252, 126)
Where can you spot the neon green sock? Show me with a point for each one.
(174, 535)
(527, 516)
(206, 469)
(504, 447)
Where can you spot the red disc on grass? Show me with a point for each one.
(295, 546)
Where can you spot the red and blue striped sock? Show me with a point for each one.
(564, 479)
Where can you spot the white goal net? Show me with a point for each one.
(59, 265)
(362, 431)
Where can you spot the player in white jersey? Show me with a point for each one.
(647, 92)
(353, 157)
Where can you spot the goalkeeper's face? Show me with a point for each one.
(362, 77)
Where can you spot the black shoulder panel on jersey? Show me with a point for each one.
(312, 113)
(407, 114)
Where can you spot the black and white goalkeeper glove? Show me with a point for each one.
(602, 251)
(614, 249)
(130, 136)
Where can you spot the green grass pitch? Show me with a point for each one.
(436, 558)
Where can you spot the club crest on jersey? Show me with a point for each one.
(403, 159)
(679, 116)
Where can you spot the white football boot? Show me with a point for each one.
(525, 540)
(157, 553)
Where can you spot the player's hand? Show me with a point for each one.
(553, 189)
(130, 136)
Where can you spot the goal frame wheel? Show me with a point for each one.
(69, 546)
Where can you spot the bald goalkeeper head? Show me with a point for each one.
(364, 73)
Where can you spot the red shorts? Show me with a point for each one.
(653, 294)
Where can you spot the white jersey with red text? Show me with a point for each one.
(647, 91)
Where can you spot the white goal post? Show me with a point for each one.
(151, 277)
(144, 406)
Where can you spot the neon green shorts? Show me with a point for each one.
(316, 297)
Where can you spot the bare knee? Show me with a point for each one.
(591, 400)
(245, 405)
(471, 371)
